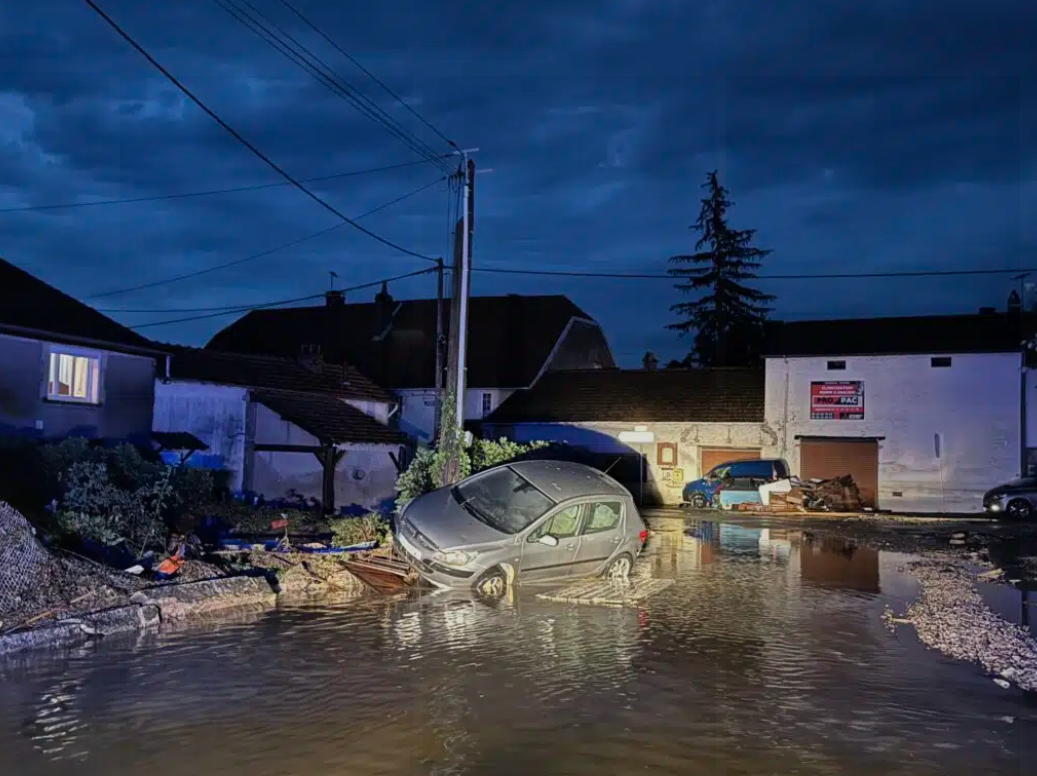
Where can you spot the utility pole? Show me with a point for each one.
(458, 335)
(439, 348)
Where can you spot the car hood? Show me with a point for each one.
(1015, 486)
(444, 523)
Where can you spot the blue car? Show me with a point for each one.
(699, 493)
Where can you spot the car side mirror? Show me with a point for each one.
(548, 540)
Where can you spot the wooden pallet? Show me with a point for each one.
(384, 574)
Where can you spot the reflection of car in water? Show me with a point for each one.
(528, 521)
(700, 493)
(1016, 499)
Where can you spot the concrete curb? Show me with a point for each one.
(178, 602)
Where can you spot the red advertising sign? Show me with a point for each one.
(837, 401)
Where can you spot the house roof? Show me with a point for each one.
(978, 333)
(328, 418)
(208, 366)
(394, 343)
(31, 307)
(648, 396)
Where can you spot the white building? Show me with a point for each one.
(696, 418)
(512, 340)
(926, 413)
(277, 426)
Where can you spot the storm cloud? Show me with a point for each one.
(855, 136)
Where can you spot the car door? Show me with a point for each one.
(600, 536)
(541, 562)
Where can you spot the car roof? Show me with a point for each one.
(563, 480)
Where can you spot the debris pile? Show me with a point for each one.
(951, 617)
(838, 494)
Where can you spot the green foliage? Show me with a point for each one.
(347, 531)
(95, 507)
(245, 519)
(728, 315)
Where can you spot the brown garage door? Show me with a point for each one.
(714, 456)
(825, 458)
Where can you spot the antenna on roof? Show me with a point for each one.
(331, 280)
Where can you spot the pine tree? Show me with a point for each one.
(728, 319)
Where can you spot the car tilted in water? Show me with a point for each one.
(528, 521)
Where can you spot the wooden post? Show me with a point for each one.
(329, 458)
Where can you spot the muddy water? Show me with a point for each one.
(766, 656)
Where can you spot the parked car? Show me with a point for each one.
(1016, 499)
(528, 521)
(699, 493)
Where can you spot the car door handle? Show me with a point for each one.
(570, 546)
(615, 540)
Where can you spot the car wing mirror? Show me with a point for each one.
(548, 540)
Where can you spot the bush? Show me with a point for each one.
(346, 531)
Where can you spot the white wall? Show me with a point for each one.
(366, 475)
(418, 409)
(603, 437)
(973, 405)
(213, 413)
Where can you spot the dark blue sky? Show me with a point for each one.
(855, 135)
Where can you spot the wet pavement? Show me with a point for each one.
(767, 655)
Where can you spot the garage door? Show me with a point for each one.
(714, 456)
(826, 458)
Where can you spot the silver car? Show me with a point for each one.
(529, 521)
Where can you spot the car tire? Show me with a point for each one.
(493, 584)
(698, 501)
(1019, 509)
(619, 568)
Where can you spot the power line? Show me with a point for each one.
(261, 254)
(296, 52)
(210, 192)
(368, 73)
(278, 303)
(813, 276)
(234, 133)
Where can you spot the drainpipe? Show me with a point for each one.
(169, 358)
(393, 409)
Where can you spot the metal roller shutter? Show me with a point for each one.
(827, 458)
(714, 456)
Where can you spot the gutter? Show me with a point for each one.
(72, 339)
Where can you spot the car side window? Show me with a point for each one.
(603, 516)
(562, 525)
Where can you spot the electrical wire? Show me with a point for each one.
(813, 276)
(237, 136)
(296, 52)
(261, 254)
(280, 302)
(210, 192)
(368, 73)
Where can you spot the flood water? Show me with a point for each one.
(767, 656)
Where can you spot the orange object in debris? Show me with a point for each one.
(172, 564)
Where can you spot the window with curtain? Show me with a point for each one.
(74, 377)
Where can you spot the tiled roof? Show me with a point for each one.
(27, 303)
(510, 337)
(247, 371)
(331, 420)
(981, 333)
(647, 396)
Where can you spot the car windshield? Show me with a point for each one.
(503, 499)
(718, 473)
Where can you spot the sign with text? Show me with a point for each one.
(837, 400)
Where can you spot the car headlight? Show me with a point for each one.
(454, 557)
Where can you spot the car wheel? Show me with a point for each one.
(619, 568)
(698, 500)
(1019, 509)
(492, 584)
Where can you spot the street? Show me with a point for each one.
(767, 654)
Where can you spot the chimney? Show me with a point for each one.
(311, 357)
(383, 297)
(335, 298)
(651, 362)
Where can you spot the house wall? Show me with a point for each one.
(126, 394)
(366, 475)
(582, 347)
(973, 405)
(661, 486)
(418, 409)
(213, 413)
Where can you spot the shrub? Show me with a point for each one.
(346, 531)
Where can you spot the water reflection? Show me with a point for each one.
(766, 655)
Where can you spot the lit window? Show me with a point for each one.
(74, 378)
(487, 404)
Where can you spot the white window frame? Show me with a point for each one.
(486, 403)
(94, 379)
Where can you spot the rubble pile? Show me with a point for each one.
(951, 617)
(306, 574)
(839, 494)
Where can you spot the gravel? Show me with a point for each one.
(951, 617)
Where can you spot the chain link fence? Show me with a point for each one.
(26, 567)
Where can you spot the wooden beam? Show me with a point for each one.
(396, 462)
